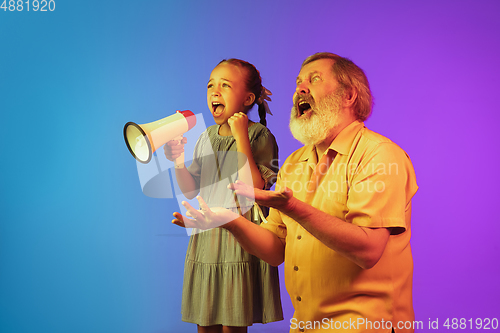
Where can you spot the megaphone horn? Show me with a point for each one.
(143, 140)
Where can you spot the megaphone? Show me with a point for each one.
(143, 140)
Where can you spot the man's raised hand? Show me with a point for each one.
(279, 199)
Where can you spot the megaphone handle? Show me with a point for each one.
(179, 161)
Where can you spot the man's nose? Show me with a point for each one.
(302, 88)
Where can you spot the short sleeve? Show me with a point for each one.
(265, 153)
(381, 187)
(274, 221)
(277, 228)
(197, 162)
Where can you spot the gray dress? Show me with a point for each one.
(223, 284)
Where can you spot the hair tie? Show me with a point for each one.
(264, 97)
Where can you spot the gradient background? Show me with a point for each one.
(82, 249)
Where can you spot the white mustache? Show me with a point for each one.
(304, 98)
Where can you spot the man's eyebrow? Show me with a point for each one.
(308, 75)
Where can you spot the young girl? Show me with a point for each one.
(225, 288)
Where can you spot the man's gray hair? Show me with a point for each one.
(350, 77)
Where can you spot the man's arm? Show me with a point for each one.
(253, 238)
(258, 241)
(364, 246)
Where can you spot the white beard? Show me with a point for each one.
(323, 120)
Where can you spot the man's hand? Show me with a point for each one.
(279, 199)
(205, 218)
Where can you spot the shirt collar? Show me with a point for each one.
(309, 153)
(343, 142)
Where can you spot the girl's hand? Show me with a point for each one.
(175, 148)
(205, 218)
(238, 123)
(279, 199)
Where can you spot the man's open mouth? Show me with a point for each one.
(303, 107)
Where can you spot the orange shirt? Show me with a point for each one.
(370, 183)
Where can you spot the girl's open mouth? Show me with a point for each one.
(217, 109)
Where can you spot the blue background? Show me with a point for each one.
(82, 249)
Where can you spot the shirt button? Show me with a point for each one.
(299, 237)
(299, 298)
(295, 268)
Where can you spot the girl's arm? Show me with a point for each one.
(186, 181)
(174, 151)
(239, 128)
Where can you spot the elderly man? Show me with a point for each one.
(340, 214)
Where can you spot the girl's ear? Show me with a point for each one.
(250, 99)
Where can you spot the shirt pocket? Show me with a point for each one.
(331, 196)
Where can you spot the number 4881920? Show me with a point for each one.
(33, 5)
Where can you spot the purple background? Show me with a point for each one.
(83, 250)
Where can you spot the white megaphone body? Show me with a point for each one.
(143, 140)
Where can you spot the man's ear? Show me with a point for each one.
(250, 99)
(350, 97)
